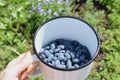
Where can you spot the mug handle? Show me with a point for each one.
(37, 72)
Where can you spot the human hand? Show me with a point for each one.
(19, 68)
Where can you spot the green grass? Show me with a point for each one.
(17, 27)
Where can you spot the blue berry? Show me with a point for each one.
(47, 53)
(53, 42)
(75, 43)
(67, 45)
(52, 46)
(69, 64)
(42, 50)
(67, 51)
(46, 60)
(61, 54)
(50, 64)
(77, 55)
(51, 51)
(81, 64)
(77, 48)
(43, 56)
(62, 51)
(61, 46)
(56, 54)
(72, 55)
(59, 41)
(57, 50)
(63, 62)
(79, 52)
(53, 63)
(86, 61)
(61, 66)
(84, 47)
(57, 62)
(86, 54)
(84, 51)
(72, 67)
(82, 58)
(76, 65)
(50, 57)
(67, 55)
(61, 57)
(47, 47)
(55, 58)
(75, 60)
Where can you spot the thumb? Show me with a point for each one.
(23, 63)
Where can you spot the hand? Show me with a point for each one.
(19, 68)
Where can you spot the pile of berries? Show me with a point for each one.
(65, 54)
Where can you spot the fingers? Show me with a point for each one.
(31, 69)
(22, 66)
(25, 78)
(23, 63)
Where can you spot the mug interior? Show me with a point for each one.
(67, 28)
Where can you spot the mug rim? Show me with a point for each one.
(95, 55)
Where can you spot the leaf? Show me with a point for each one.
(2, 3)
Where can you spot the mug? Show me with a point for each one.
(70, 28)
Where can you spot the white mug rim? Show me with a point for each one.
(93, 58)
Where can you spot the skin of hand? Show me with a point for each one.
(19, 68)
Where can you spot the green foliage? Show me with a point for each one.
(114, 20)
(109, 34)
(11, 30)
(112, 5)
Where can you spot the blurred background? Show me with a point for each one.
(20, 18)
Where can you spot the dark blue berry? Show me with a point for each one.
(68, 46)
(86, 53)
(78, 48)
(79, 52)
(86, 61)
(75, 43)
(77, 55)
(59, 41)
(82, 58)
(82, 63)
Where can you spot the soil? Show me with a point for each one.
(101, 55)
(99, 6)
